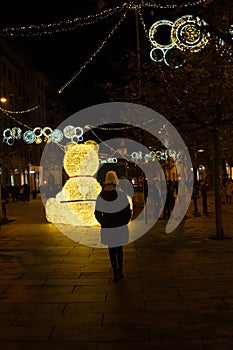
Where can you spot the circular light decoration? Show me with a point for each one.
(79, 131)
(38, 140)
(29, 136)
(7, 133)
(187, 33)
(69, 131)
(174, 58)
(157, 54)
(47, 139)
(38, 131)
(155, 37)
(56, 135)
(16, 133)
(9, 140)
(47, 131)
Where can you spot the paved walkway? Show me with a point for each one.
(57, 294)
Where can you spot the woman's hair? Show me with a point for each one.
(111, 177)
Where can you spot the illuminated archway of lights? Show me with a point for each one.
(185, 34)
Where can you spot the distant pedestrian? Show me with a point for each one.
(26, 193)
(170, 200)
(223, 193)
(113, 213)
(204, 190)
(229, 190)
(4, 198)
(21, 193)
(195, 196)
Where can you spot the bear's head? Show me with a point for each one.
(81, 159)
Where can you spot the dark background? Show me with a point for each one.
(59, 56)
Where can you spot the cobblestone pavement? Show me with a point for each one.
(57, 294)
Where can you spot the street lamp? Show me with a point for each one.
(3, 100)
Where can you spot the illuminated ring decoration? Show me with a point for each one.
(165, 58)
(187, 34)
(7, 133)
(47, 139)
(16, 133)
(47, 131)
(56, 135)
(9, 140)
(75, 139)
(29, 136)
(169, 64)
(153, 55)
(69, 131)
(153, 31)
(38, 140)
(80, 138)
(37, 131)
(78, 128)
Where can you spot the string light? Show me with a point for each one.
(73, 24)
(17, 121)
(93, 55)
(107, 128)
(180, 5)
(18, 112)
(61, 26)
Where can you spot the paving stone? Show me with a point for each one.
(148, 318)
(25, 334)
(31, 308)
(113, 332)
(134, 305)
(48, 345)
(218, 343)
(49, 297)
(158, 344)
(6, 319)
(46, 319)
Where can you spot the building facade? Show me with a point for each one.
(27, 101)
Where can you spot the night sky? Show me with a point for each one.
(59, 56)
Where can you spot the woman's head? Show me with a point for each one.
(111, 177)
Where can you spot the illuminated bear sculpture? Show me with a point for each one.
(75, 204)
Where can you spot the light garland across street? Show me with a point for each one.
(46, 134)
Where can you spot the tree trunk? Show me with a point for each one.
(217, 186)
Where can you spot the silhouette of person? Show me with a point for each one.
(113, 213)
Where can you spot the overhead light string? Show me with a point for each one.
(173, 6)
(19, 112)
(61, 26)
(94, 54)
(16, 120)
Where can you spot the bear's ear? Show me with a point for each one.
(93, 144)
(68, 146)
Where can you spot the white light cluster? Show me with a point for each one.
(153, 155)
(46, 134)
